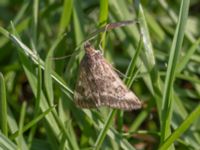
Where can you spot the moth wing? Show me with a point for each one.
(84, 91)
(99, 85)
(113, 92)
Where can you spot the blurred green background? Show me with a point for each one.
(36, 103)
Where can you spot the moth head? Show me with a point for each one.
(87, 45)
(89, 49)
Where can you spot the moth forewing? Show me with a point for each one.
(99, 85)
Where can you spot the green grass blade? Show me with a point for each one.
(181, 129)
(174, 18)
(149, 55)
(37, 104)
(188, 78)
(6, 143)
(21, 124)
(34, 42)
(48, 71)
(3, 106)
(103, 17)
(65, 16)
(154, 26)
(14, 127)
(35, 20)
(35, 58)
(50, 92)
(148, 58)
(78, 20)
(53, 129)
(44, 102)
(138, 121)
(131, 68)
(53, 121)
(103, 132)
(29, 70)
(4, 32)
(171, 70)
(22, 11)
(33, 122)
(184, 60)
(78, 38)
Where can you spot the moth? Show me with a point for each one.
(99, 85)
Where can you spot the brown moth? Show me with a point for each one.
(99, 85)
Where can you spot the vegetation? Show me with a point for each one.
(41, 45)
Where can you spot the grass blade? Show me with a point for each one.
(6, 143)
(21, 124)
(48, 71)
(173, 60)
(33, 122)
(187, 56)
(103, 132)
(181, 129)
(3, 106)
(131, 68)
(66, 16)
(103, 17)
